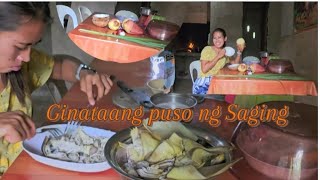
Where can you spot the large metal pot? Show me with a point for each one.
(281, 152)
(116, 160)
(280, 66)
(162, 30)
(173, 101)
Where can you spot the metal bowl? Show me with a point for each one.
(100, 20)
(112, 145)
(280, 66)
(173, 101)
(156, 85)
(162, 30)
(271, 149)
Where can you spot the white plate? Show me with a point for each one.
(229, 51)
(33, 148)
(251, 60)
(123, 14)
(233, 66)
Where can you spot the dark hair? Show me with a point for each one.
(10, 20)
(222, 31)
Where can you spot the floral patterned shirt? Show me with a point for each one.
(37, 71)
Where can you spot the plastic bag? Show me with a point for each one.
(163, 67)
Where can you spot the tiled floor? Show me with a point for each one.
(42, 99)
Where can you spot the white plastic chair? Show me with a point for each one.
(84, 12)
(197, 66)
(65, 10)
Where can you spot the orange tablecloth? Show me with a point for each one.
(245, 86)
(107, 48)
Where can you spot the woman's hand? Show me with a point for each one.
(87, 81)
(221, 53)
(241, 47)
(16, 126)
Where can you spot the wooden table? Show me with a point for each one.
(135, 74)
(244, 86)
(26, 168)
(108, 48)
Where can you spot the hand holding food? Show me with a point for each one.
(241, 44)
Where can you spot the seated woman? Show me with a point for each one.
(23, 69)
(212, 60)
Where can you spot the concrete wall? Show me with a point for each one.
(301, 48)
(182, 12)
(274, 27)
(227, 15)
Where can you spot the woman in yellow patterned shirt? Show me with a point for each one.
(212, 60)
(23, 69)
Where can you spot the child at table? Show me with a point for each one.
(212, 60)
(23, 69)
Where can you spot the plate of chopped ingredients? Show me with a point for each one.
(81, 151)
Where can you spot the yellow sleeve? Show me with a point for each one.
(206, 53)
(38, 69)
(227, 59)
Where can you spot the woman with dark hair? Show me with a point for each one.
(212, 60)
(23, 69)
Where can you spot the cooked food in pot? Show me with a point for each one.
(170, 151)
(77, 147)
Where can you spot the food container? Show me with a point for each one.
(145, 11)
(100, 20)
(229, 51)
(264, 58)
(173, 101)
(263, 54)
(162, 30)
(123, 14)
(156, 85)
(116, 160)
(280, 66)
(283, 152)
(233, 67)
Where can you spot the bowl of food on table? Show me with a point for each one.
(79, 149)
(170, 150)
